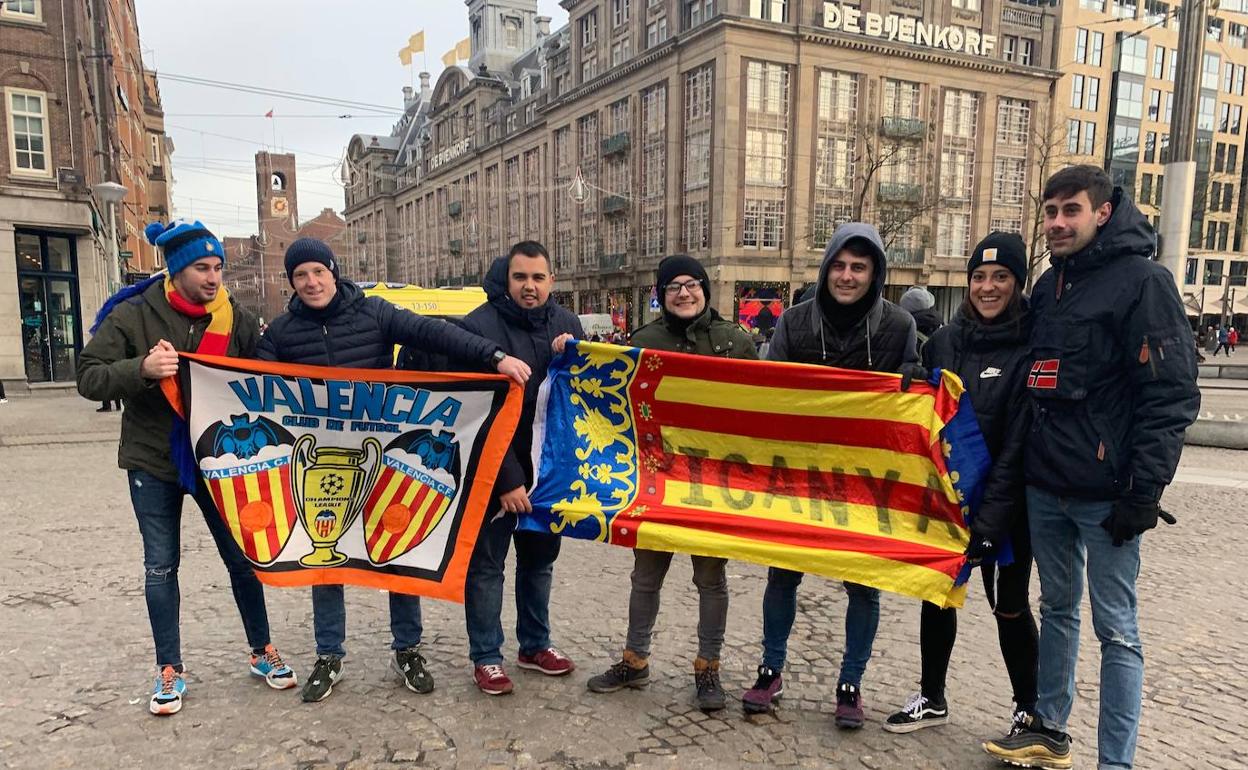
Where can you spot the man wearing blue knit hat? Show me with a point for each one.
(137, 337)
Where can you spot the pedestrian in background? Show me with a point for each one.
(1224, 342)
(688, 325)
(1232, 339)
(919, 302)
(986, 345)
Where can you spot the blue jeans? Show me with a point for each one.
(862, 618)
(329, 620)
(483, 590)
(158, 508)
(1066, 538)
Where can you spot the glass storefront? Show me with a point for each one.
(47, 284)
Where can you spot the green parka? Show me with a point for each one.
(709, 335)
(109, 369)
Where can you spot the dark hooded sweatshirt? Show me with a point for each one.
(525, 334)
(871, 335)
(1112, 374)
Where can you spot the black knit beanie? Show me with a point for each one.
(682, 264)
(1004, 249)
(309, 250)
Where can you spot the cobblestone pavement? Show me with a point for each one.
(75, 651)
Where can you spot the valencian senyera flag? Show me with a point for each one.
(369, 477)
(829, 471)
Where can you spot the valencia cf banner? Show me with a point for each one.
(829, 471)
(368, 477)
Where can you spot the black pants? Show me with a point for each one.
(1016, 629)
(1222, 346)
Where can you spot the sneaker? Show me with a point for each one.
(1032, 745)
(549, 661)
(849, 706)
(411, 666)
(492, 679)
(619, 676)
(326, 672)
(919, 712)
(767, 688)
(706, 679)
(168, 694)
(273, 669)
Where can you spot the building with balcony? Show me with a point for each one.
(1119, 59)
(739, 131)
(77, 109)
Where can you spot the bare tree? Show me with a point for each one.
(1049, 145)
(897, 206)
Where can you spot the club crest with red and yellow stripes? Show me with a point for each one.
(829, 471)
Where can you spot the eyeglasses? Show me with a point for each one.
(672, 289)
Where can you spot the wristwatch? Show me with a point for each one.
(498, 357)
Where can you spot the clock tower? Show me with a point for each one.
(276, 197)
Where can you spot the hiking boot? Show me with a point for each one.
(1030, 744)
(168, 693)
(631, 671)
(270, 666)
(410, 665)
(706, 679)
(919, 712)
(325, 674)
(491, 679)
(549, 661)
(849, 706)
(768, 687)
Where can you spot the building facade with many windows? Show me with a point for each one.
(1119, 60)
(738, 131)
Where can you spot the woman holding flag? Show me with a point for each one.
(986, 345)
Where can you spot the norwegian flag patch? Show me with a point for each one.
(1044, 374)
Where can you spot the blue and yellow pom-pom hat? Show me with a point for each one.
(184, 242)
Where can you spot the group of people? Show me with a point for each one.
(1082, 392)
(1219, 339)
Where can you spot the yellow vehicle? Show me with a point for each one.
(443, 303)
(438, 303)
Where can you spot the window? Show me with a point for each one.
(1215, 196)
(768, 10)
(1159, 61)
(1224, 117)
(1169, 111)
(1204, 112)
(154, 153)
(1232, 158)
(1174, 65)
(589, 28)
(1126, 143)
(836, 143)
(1124, 9)
(1096, 45)
(1093, 5)
(1213, 267)
(1081, 46)
(1237, 113)
(23, 10)
(1076, 92)
(1089, 138)
(1219, 156)
(1133, 55)
(1228, 77)
(621, 51)
(1026, 48)
(589, 69)
(1009, 47)
(1209, 71)
(1211, 239)
(901, 99)
(1239, 274)
(1189, 275)
(966, 5)
(28, 116)
(1072, 136)
(1154, 104)
(1130, 99)
(1146, 188)
(619, 12)
(698, 11)
(1237, 85)
(763, 225)
(1150, 147)
(511, 33)
(1228, 195)
(654, 170)
(656, 32)
(766, 154)
(698, 122)
(1094, 94)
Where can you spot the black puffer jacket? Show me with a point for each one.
(361, 332)
(1113, 375)
(881, 342)
(992, 361)
(525, 334)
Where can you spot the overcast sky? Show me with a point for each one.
(344, 51)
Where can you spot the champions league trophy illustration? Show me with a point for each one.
(330, 486)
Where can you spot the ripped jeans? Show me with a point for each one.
(158, 508)
(1067, 538)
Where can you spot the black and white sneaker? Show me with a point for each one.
(919, 712)
(325, 674)
(410, 665)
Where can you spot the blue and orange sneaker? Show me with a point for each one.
(170, 689)
(273, 669)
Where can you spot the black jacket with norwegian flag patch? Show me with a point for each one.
(1113, 368)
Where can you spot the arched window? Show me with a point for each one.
(277, 181)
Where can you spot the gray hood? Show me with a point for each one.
(844, 234)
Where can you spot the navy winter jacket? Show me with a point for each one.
(527, 335)
(360, 332)
(1113, 368)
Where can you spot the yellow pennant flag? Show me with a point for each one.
(448, 58)
(463, 50)
(405, 56)
(416, 43)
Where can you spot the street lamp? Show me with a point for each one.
(112, 194)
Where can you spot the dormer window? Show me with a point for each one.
(277, 181)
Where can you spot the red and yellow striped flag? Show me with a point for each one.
(822, 470)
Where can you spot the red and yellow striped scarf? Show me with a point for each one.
(216, 339)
